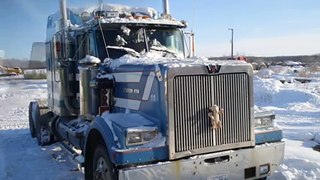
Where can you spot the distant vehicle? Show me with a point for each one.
(241, 58)
(12, 71)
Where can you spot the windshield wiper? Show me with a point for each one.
(157, 46)
(128, 50)
(164, 49)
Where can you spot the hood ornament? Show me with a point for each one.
(214, 116)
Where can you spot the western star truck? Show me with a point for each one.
(129, 103)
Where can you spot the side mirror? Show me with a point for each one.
(190, 45)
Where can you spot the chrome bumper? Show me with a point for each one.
(233, 164)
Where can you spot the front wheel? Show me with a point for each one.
(102, 168)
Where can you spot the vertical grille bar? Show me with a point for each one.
(194, 94)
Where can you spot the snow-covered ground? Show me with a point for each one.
(297, 107)
(20, 156)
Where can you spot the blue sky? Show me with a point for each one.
(261, 28)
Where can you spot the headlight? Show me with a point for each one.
(264, 119)
(264, 169)
(147, 136)
(134, 138)
(140, 135)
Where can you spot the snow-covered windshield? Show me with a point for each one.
(135, 41)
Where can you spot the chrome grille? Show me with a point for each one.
(193, 94)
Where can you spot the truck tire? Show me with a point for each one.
(42, 133)
(39, 136)
(102, 167)
(31, 121)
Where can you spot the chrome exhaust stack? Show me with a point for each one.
(165, 7)
(166, 11)
(63, 11)
(64, 71)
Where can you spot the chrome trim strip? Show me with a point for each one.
(147, 88)
(127, 103)
(128, 77)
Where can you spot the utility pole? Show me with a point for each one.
(231, 29)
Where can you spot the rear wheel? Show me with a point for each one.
(102, 167)
(40, 129)
(43, 136)
(31, 120)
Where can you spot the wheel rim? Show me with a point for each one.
(101, 171)
(43, 136)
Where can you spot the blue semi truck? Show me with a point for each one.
(126, 100)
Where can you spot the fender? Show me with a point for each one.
(119, 154)
(101, 126)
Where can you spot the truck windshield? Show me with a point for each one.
(119, 42)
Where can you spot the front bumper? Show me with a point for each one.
(233, 164)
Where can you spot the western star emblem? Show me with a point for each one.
(214, 116)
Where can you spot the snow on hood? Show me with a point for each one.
(90, 60)
(150, 58)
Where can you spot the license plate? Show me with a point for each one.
(220, 177)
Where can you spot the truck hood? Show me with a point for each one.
(155, 58)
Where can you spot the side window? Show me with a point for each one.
(81, 46)
(85, 45)
(91, 45)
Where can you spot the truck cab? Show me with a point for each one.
(123, 92)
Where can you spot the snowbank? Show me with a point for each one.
(297, 108)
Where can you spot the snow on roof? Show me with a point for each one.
(125, 14)
(131, 14)
(122, 9)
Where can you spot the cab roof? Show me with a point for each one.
(79, 18)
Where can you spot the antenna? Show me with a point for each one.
(102, 34)
(100, 5)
